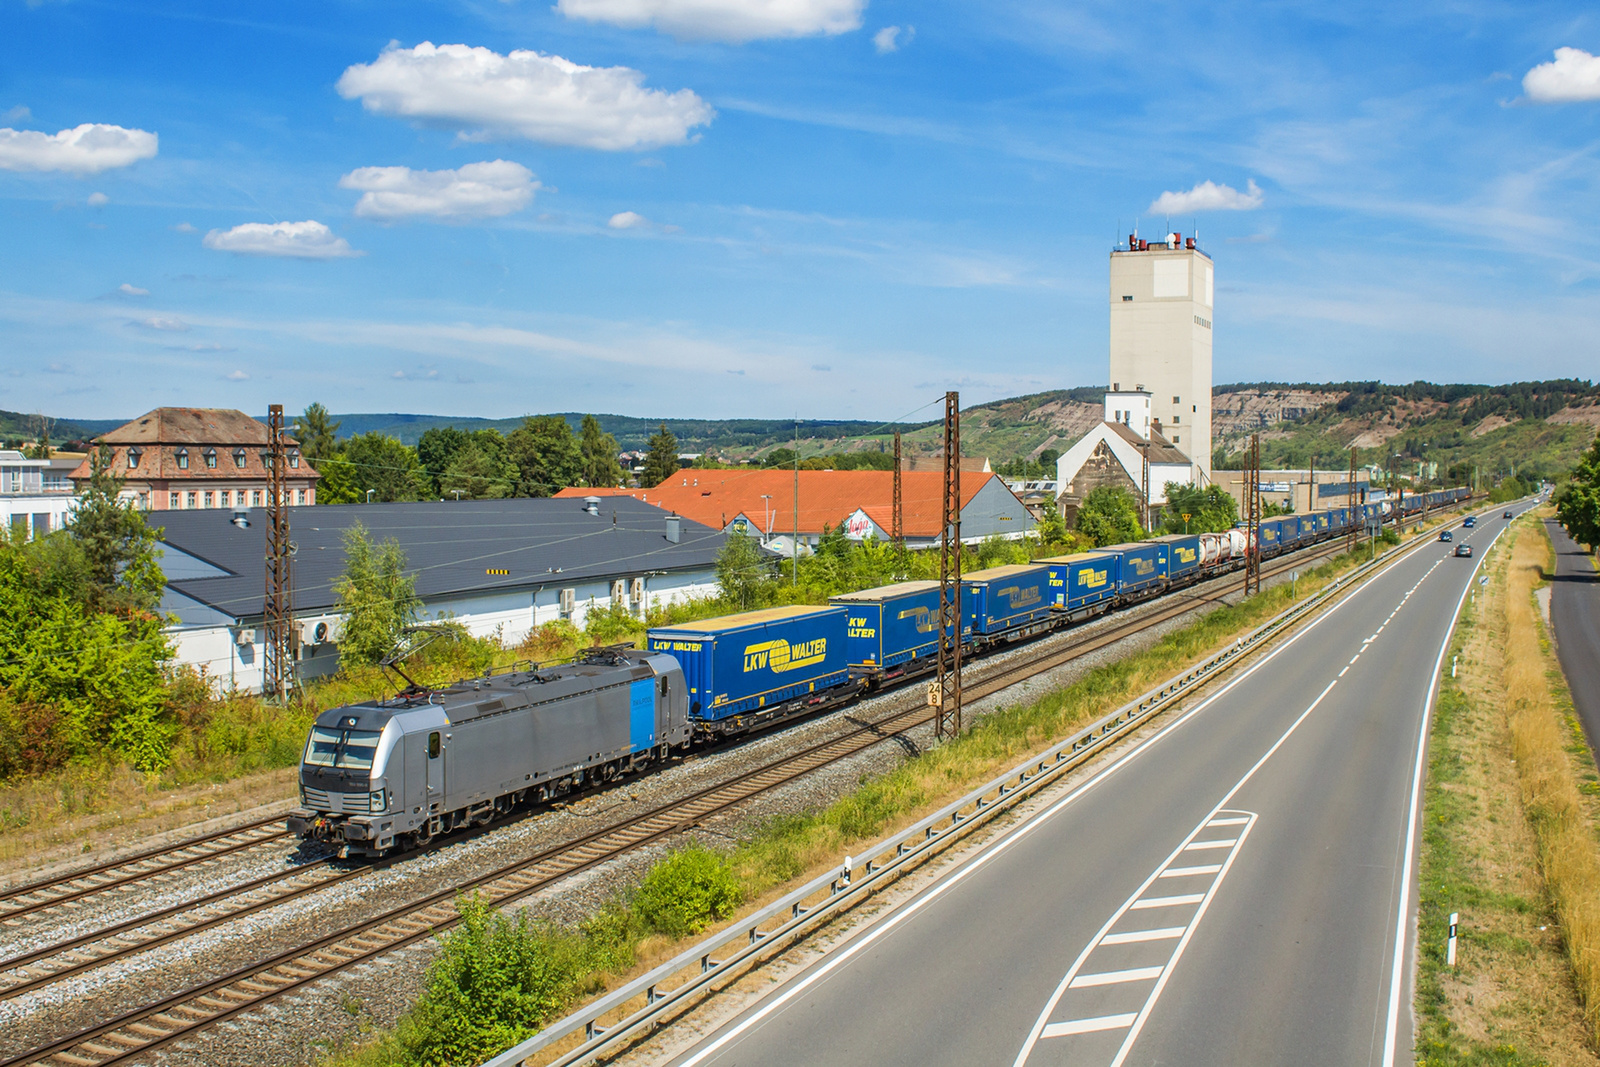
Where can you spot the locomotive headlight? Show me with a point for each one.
(377, 801)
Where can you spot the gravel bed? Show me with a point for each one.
(294, 1028)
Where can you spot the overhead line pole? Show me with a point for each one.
(1252, 558)
(945, 694)
(897, 519)
(794, 544)
(278, 608)
(1350, 537)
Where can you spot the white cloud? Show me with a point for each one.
(723, 20)
(86, 149)
(165, 325)
(1573, 76)
(888, 40)
(132, 290)
(184, 227)
(297, 240)
(98, 200)
(475, 191)
(524, 94)
(16, 114)
(238, 376)
(627, 220)
(1208, 196)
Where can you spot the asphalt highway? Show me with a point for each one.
(1575, 616)
(1237, 889)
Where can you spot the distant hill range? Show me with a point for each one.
(1541, 427)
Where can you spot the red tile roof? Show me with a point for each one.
(160, 433)
(716, 497)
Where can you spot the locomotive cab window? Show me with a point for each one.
(663, 687)
(351, 749)
(433, 745)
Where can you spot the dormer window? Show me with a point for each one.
(294, 459)
(133, 458)
(239, 458)
(183, 459)
(211, 457)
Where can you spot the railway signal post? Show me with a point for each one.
(945, 693)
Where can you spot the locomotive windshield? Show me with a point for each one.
(342, 748)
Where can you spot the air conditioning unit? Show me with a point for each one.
(321, 629)
(244, 637)
(636, 594)
(569, 601)
(619, 590)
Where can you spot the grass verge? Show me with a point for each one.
(1493, 815)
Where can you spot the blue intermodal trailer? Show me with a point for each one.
(1271, 536)
(1142, 567)
(890, 626)
(757, 664)
(1001, 599)
(1183, 554)
(1082, 579)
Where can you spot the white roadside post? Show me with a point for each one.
(1450, 945)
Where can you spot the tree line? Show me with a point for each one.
(539, 458)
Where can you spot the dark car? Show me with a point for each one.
(1464, 550)
(1446, 535)
(1507, 515)
(1469, 522)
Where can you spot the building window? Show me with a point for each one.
(208, 498)
(1175, 439)
(1127, 299)
(192, 496)
(211, 457)
(238, 458)
(294, 459)
(133, 458)
(300, 497)
(172, 501)
(144, 501)
(255, 498)
(183, 459)
(1176, 419)
(1177, 400)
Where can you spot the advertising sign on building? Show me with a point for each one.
(858, 527)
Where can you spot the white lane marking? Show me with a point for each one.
(1346, 668)
(1021, 832)
(1403, 908)
(1354, 658)
(1134, 937)
(1201, 845)
(1042, 1028)
(1185, 872)
(1227, 822)
(1167, 902)
(1134, 974)
(1089, 1026)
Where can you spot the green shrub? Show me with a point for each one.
(686, 892)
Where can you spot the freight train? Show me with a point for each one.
(395, 774)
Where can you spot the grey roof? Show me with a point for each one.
(449, 547)
(1161, 450)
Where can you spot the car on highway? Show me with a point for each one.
(1446, 535)
(1464, 550)
(1507, 515)
(1469, 522)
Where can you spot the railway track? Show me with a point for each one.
(142, 866)
(154, 1026)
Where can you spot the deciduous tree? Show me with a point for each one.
(1578, 502)
(600, 466)
(1109, 515)
(546, 456)
(376, 596)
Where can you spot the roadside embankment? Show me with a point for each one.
(1509, 841)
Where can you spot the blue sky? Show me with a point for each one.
(830, 208)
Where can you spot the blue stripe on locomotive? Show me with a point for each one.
(1003, 598)
(741, 663)
(1141, 565)
(891, 624)
(642, 714)
(1082, 579)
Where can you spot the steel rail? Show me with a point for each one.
(50, 886)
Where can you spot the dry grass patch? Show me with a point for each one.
(1512, 999)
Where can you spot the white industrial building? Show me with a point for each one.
(503, 566)
(36, 494)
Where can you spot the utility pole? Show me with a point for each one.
(794, 543)
(1252, 491)
(278, 680)
(1350, 536)
(1311, 489)
(946, 692)
(1144, 477)
(898, 520)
